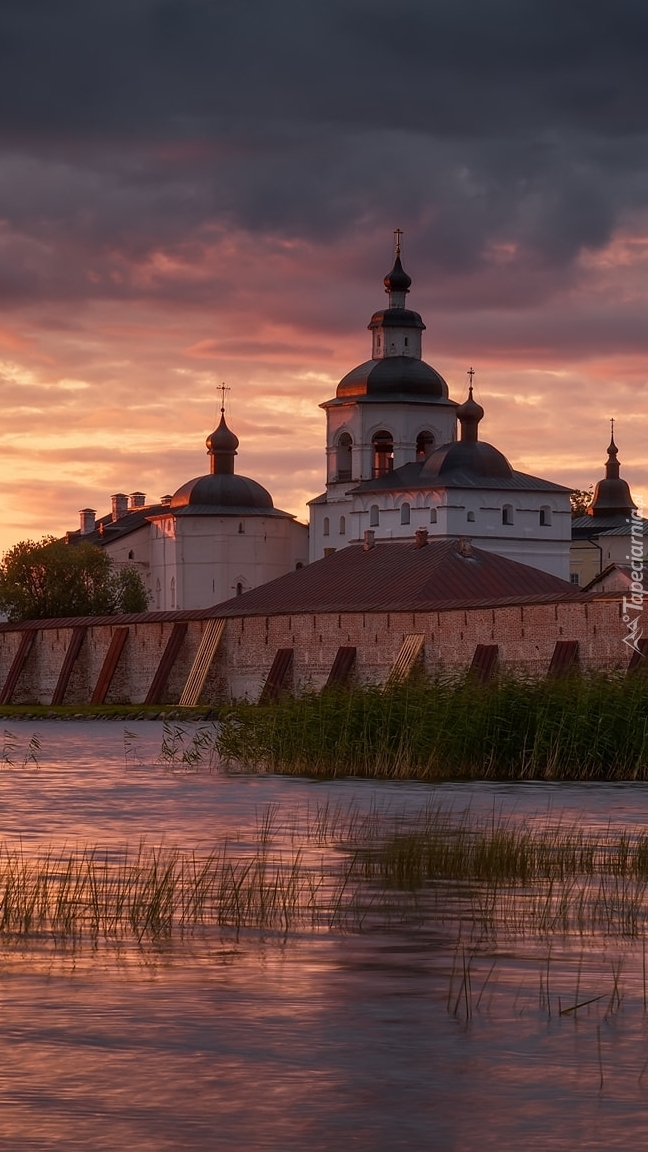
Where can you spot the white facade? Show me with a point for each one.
(197, 561)
(217, 537)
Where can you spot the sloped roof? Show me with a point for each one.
(586, 526)
(402, 578)
(108, 529)
(411, 475)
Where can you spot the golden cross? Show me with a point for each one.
(471, 373)
(398, 233)
(223, 389)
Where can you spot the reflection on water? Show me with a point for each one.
(406, 1038)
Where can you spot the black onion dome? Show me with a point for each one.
(474, 456)
(402, 375)
(470, 411)
(223, 439)
(223, 491)
(612, 495)
(397, 280)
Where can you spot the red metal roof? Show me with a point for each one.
(402, 578)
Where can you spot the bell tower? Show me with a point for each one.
(390, 411)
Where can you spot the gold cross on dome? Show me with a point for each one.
(470, 373)
(398, 235)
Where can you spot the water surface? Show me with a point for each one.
(319, 1041)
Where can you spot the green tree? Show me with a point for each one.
(50, 578)
(581, 499)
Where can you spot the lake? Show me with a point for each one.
(396, 1033)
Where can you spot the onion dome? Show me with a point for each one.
(469, 415)
(222, 492)
(612, 495)
(397, 280)
(396, 371)
(469, 454)
(222, 445)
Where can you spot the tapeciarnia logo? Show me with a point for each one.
(633, 605)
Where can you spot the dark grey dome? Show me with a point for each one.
(474, 456)
(395, 374)
(611, 498)
(397, 280)
(223, 492)
(396, 318)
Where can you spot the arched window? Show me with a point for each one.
(405, 513)
(424, 445)
(374, 516)
(158, 594)
(239, 589)
(241, 528)
(545, 516)
(383, 454)
(433, 516)
(298, 565)
(131, 555)
(326, 528)
(344, 457)
(172, 592)
(470, 516)
(342, 525)
(507, 514)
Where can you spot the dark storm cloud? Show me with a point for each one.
(132, 126)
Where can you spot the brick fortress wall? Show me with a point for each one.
(526, 637)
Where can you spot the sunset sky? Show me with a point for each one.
(197, 191)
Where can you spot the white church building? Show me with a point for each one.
(395, 465)
(219, 535)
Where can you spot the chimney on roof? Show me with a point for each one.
(88, 522)
(465, 546)
(369, 540)
(420, 537)
(166, 500)
(136, 500)
(119, 505)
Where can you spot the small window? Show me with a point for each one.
(342, 526)
(545, 516)
(507, 514)
(471, 517)
(374, 516)
(406, 342)
(574, 578)
(239, 589)
(158, 594)
(405, 513)
(326, 529)
(298, 565)
(433, 515)
(131, 555)
(241, 528)
(172, 592)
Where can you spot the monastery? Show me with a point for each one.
(426, 548)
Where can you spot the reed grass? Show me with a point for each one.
(581, 728)
(342, 870)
